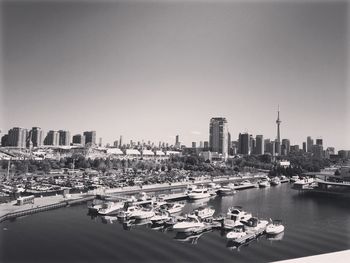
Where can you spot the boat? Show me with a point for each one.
(255, 224)
(172, 208)
(275, 228)
(143, 213)
(144, 197)
(275, 181)
(191, 224)
(226, 190)
(198, 193)
(160, 218)
(173, 220)
(203, 212)
(245, 182)
(128, 211)
(94, 208)
(234, 217)
(110, 208)
(294, 178)
(238, 231)
(264, 183)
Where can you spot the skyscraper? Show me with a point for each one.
(64, 138)
(194, 145)
(177, 142)
(90, 137)
(218, 135)
(319, 142)
(259, 144)
(121, 141)
(17, 137)
(309, 143)
(278, 139)
(304, 147)
(206, 145)
(79, 139)
(285, 147)
(243, 143)
(229, 143)
(52, 138)
(37, 136)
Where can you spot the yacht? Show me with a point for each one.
(143, 213)
(294, 178)
(94, 208)
(255, 223)
(191, 224)
(110, 208)
(226, 190)
(234, 217)
(128, 211)
(160, 218)
(275, 228)
(203, 212)
(172, 208)
(237, 232)
(275, 181)
(264, 183)
(245, 182)
(198, 193)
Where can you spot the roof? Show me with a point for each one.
(147, 152)
(114, 151)
(132, 152)
(160, 153)
(171, 152)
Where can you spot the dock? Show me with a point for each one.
(250, 236)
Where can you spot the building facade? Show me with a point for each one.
(218, 134)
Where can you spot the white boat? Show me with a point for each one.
(275, 181)
(294, 178)
(172, 208)
(110, 208)
(234, 217)
(304, 183)
(254, 224)
(191, 224)
(275, 228)
(226, 190)
(264, 184)
(198, 193)
(94, 208)
(144, 197)
(203, 212)
(128, 212)
(160, 218)
(237, 232)
(245, 182)
(143, 213)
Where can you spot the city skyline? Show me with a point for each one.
(80, 67)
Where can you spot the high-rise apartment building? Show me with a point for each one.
(259, 144)
(37, 136)
(243, 143)
(319, 142)
(304, 147)
(285, 148)
(90, 137)
(194, 145)
(79, 139)
(52, 138)
(64, 138)
(218, 134)
(309, 143)
(17, 137)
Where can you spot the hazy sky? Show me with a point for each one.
(151, 70)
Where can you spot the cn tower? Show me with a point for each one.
(278, 122)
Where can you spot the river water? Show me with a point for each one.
(313, 225)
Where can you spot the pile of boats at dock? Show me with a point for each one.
(237, 225)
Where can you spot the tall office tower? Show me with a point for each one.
(294, 148)
(177, 141)
(194, 145)
(100, 142)
(285, 147)
(218, 135)
(17, 137)
(278, 140)
(116, 143)
(90, 137)
(229, 143)
(317, 151)
(243, 143)
(304, 147)
(37, 136)
(120, 141)
(309, 143)
(251, 144)
(266, 142)
(259, 144)
(52, 138)
(4, 140)
(201, 145)
(79, 139)
(206, 145)
(64, 138)
(270, 148)
(319, 142)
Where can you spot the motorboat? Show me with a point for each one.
(264, 183)
(144, 197)
(275, 228)
(305, 183)
(294, 178)
(160, 218)
(128, 212)
(198, 193)
(245, 182)
(143, 213)
(172, 208)
(237, 232)
(94, 208)
(254, 224)
(110, 208)
(234, 217)
(203, 212)
(226, 190)
(275, 181)
(191, 224)
(159, 202)
(174, 219)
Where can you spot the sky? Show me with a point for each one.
(149, 70)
